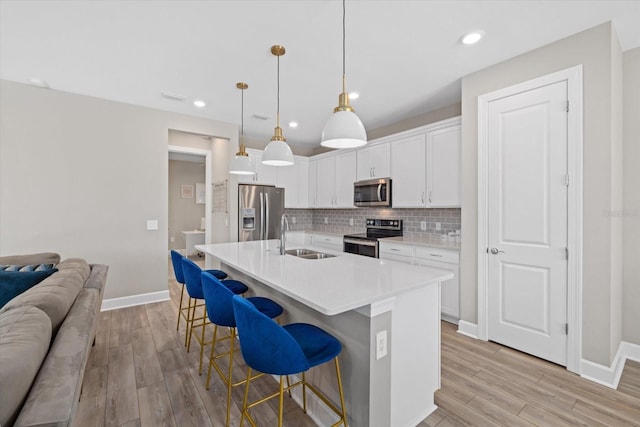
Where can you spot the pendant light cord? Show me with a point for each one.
(278, 96)
(344, 66)
(242, 112)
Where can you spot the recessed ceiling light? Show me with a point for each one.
(39, 83)
(199, 103)
(353, 95)
(472, 37)
(293, 124)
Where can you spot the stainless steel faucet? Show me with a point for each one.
(284, 220)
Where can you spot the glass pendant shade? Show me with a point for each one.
(343, 130)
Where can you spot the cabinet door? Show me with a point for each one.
(325, 197)
(313, 180)
(256, 157)
(408, 157)
(380, 160)
(443, 167)
(302, 166)
(288, 179)
(345, 176)
(364, 164)
(265, 174)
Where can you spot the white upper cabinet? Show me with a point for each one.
(345, 177)
(408, 177)
(335, 176)
(425, 166)
(295, 180)
(443, 167)
(313, 180)
(373, 162)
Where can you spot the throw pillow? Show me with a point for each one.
(36, 267)
(13, 283)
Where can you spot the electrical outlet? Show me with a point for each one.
(381, 344)
(438, 226)
(423, 225)
(351, 222)
(172, 239)
(326, 220)
(293, 219)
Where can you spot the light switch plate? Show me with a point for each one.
(381, 344)
(152, 224)
(423, 225)
(351, 222)
(438, 226)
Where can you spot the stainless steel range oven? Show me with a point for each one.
(367, 243)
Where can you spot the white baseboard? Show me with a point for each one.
(609, 376)
(115, 303)
(467, 328)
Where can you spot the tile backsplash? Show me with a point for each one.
(339, 220)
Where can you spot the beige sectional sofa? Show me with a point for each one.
(46, 334)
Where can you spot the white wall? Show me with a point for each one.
(595, 49)
(631, 213)
(80, 176)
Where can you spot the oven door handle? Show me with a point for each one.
(360, 242)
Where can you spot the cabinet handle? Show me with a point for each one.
(423, 197)
(394, 249)
(374, 171)
(370, 172)
(429, 196)
(436, 255)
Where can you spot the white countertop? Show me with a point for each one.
(330, 286)
(421, 241)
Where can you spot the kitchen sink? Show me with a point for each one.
(308, 254)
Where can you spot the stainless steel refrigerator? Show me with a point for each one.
(260, 209)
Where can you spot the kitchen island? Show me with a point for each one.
(385, 313)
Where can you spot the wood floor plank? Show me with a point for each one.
(90, 412)
(138, 317)
(604, 415)
(99, 353)
(122, 401)
(145, 358)
(155, 406)
(497, 413)
(461, 414)
(120, 333)
(436, 418)
(186, 404)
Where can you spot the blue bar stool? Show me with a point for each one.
(219, 303)
(284, 350)
(192, 275)
(176, 261)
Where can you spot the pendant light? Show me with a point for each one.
(278, 152)
(242, 164)
(343, 129)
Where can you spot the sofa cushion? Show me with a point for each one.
(40, 258)
(13, 283)
(56, 293)
(25, 333)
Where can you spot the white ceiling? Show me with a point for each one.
(404, 57)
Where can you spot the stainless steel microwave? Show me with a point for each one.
(372, 192)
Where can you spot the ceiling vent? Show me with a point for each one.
(261, 116)
(173, 96)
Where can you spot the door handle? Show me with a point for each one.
(266, 210)
(496, 251)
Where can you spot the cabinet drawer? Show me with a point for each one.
(437, 255)
(327, 239)
(395, 249)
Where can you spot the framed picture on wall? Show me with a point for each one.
(186, 191)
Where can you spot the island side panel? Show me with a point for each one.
(354, 330)
(415, 355)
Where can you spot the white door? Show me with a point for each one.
(527, 221)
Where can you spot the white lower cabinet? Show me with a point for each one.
(328, 241)
(436, 258)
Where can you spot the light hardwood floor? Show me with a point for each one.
(139, 374)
